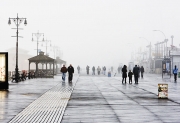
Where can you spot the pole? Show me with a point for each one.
(17, 22)
(16, 69)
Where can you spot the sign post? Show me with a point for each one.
(162, 90)
(4, 70)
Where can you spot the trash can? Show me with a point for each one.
(109, 74)
(178, 74)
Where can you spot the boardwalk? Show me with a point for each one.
(90, 99)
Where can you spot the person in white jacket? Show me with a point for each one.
(98, 70)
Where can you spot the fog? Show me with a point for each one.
(91, 32)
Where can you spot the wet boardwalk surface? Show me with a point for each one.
(90, 99)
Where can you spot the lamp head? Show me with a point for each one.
(25, 22)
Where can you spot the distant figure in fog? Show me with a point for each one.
(99, 70)
(70, 73)
(124, 73)
(136, 73)
(104, 70)
(87, 69)
(142, 71)
(175, 71)
(130, 74)
(93, 70)
(78, 68)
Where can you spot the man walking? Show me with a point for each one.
(63, 71)
(142, 71)
(98, 70)
(87, 69)
(104, 69)
(136, 73)
(93, 70)
(70, 73)
(78, 68)
(175, 71)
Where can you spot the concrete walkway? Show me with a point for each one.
(90, 99)
(106, 100)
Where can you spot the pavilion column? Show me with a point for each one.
(46, 68)
(53, 68)
(50, 67)
(29, 65)
(56, 68)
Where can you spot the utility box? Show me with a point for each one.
(162, 90)
(4, 70)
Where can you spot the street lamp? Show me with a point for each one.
(165, 41)
(38, 35)
(47, 41)
(149, 51)
(56, 51)
(17, 22)
(148, 46)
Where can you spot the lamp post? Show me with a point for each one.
(165, 41)
(56, 51)
(149, 51)
(172, 41)
(38, 35)
(47, 41)
(17, 22)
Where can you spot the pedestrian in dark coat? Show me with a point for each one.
(63, 70)
(124, 73)
(142, 71)
(136, 73)
(70, 73)
(130, 74)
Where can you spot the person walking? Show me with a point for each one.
(175, 71)
(63, 71)
(87, 69)
(130, 74)
(70, 73)
(104, 69)
(93, 70)
(142, 71)
(78, 68)
(124, 73)
(99, 70)
(136, 73)
(139, 71)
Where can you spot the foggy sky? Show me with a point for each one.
(91, 32)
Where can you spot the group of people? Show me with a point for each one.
(136, 72)
(94, 69)
(70, 71)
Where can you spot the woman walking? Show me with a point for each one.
(124, 73)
